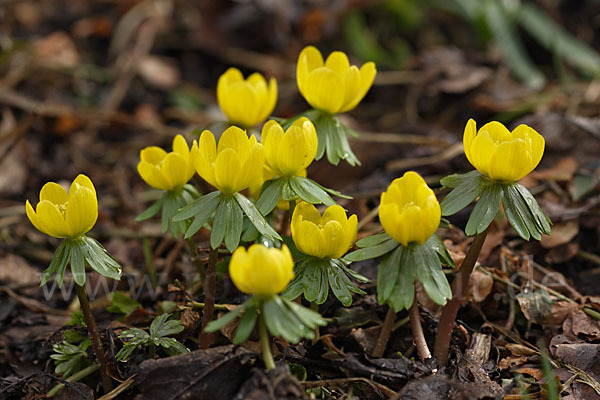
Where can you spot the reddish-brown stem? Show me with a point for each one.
(95, 337)
(459, 290)
(208, 312)
(417, 331)
(384, 334)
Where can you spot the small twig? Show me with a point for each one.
(405, 163)
(126, 384)
(417, 331)
(367, 218)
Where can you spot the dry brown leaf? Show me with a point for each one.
(480, 286)
(562, 233)
(520, 350)
(512, 361)
(563, 171)
(161, 72)
(15, 271)
(56, 50)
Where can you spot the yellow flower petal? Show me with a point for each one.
(175, 170)
(180, 146)
(367, 76)
(324, 90)
(338, 63)
(52, 220)
(468, 137)
(153, 176)
(54, 193)
(153, 155)
(227, 170)
(82, 211)
(34, 218)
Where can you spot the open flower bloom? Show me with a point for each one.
(287, 153)
(327, 236)
(333, 86)
(166, 171)
(231, 166)
(502, 155)
(409, 211)
(65, 215)
(256, 188)
(261, 270)
(246, 102)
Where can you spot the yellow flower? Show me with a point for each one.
(330, 235)
(232, 166)
(261, 270)
(287, 153)
(409, 211)
(65, 215)
(333, 86)
(256, 188)
(166, 171)
(502, 155)
(246, 102)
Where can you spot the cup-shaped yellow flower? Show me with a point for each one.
(287, 153)
(246, 102)
(500, 154)
(167, 171)
(333, 86)
(409, 211)
(65, 215)
(327, 236)
(261, 270)
(233, 165)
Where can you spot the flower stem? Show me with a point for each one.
(201, 268)
(459, 289)
(149, 259)
(265, 343)
(93, 331)
(384, 334)
(417, 331)
(151, 351)
(208, 312)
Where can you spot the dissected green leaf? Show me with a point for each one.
(485, 210)
(123, 304)
(256, 217)
(309, 191)
(163, 326)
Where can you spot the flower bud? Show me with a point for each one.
(287, 153)
(167, 171)
(231, 166)
(333, 86)
(502, 155)
(261, 270)
(246, 102)
(65, 215)
(409, 211)
(327, 236)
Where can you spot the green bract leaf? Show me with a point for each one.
(431, 276)
(523, 212)
(200, 209)
(485, 210)
(314, 277)
(226, 319)
(466, 188)
(152, 210)
(372, 247)
(270, 195)
(388, 271)
(58, 264)
(332, 139)
(234, 221)
(246, 324)
(256, 217)
(78, 252)
(99, 260)
(309, 191)
(435, 243)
